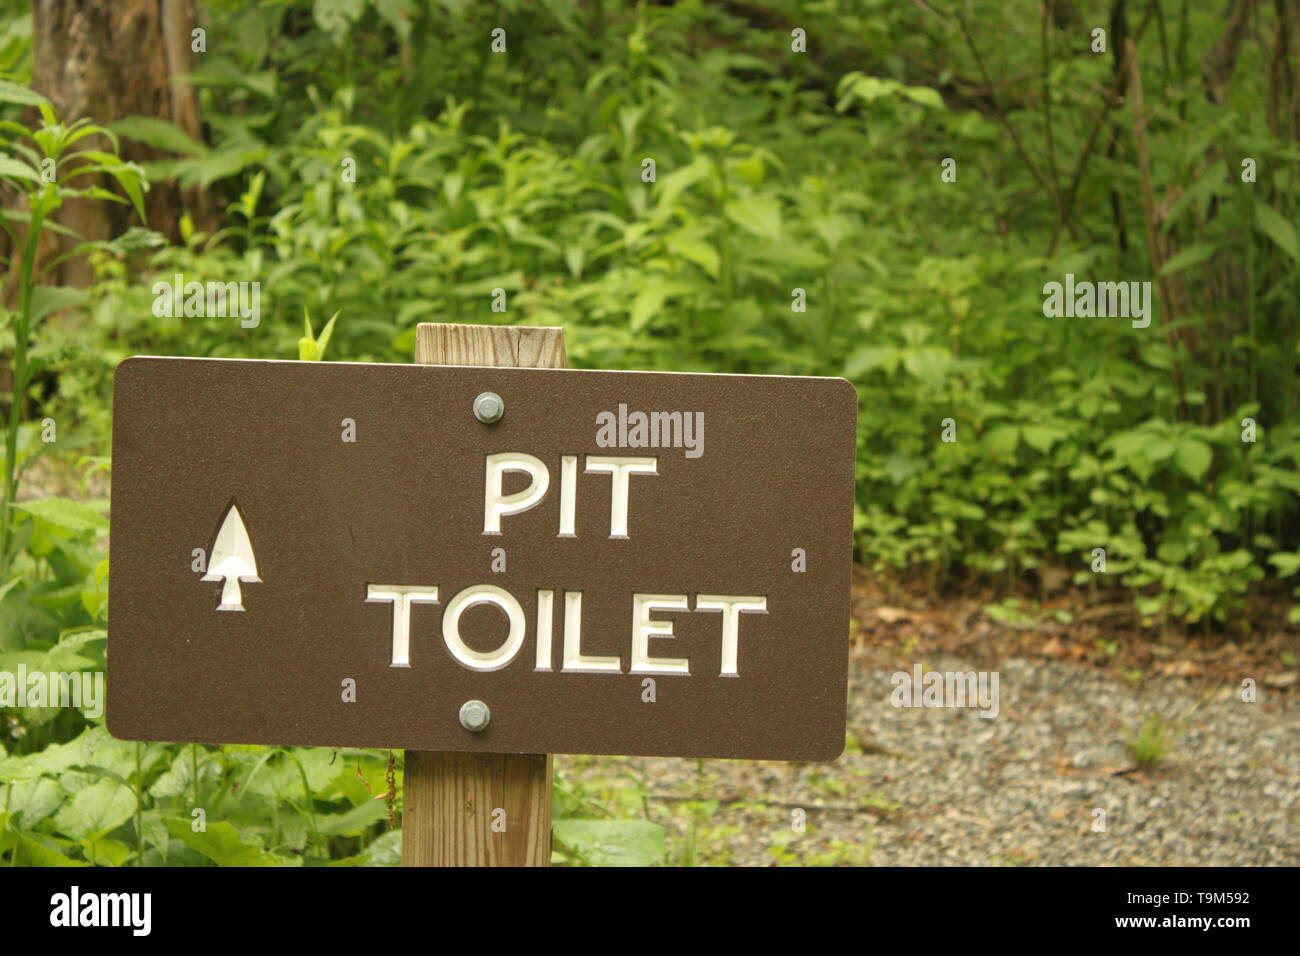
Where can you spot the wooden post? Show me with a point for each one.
(450, 797)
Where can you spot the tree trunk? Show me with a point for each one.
(105, 60)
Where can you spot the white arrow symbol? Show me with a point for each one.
(232, 560)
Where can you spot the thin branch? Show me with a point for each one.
(997, 109)
(1110, 99)
(1149, 211)
(1047, 102)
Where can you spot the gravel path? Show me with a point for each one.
(925, 787)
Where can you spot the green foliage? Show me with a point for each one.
(38, 164)
(440, 185)
(53, 592)
(837, 853)
(593, 824)
(96, 800)
(608, 842)
(311, 348)
(1151, 743)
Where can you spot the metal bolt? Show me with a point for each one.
(489, 408)
(474, 715)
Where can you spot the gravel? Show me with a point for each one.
(934, 787)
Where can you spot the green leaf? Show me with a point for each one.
(925, 95)
(612, 842)
(649, 301)
(1192, 255)
(1041, 437)
(48, 298)
(833, 229)
(207, 169)
(1286, 562)
(179, 778)
(761, 215)
(64, 513)
(31, 801)
(1196, 195)
(105, 852)
(790, 255)
(18, 169)
(135, 239)
(863, 87)
(13, 93)
(575, 257)
(752, 169)
(279, 777)
(1130, 444)
(1193, 457)
(33, 853)
(1273, 225)
(98, 809)
(354, 821)
(324, 340)
(1003, 439)
(158, 133)
(222, 844)
(929, 364)
(1158, 449)
(336, 17)
(866, 358)
(129, 177)
(52, 760)
(385, 851)
(1172, 551)
(697, 251)
(669, 187)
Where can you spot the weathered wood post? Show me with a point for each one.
(450, 797)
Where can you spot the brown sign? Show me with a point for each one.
(359, 555)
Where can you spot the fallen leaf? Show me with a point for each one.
(892, 615)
